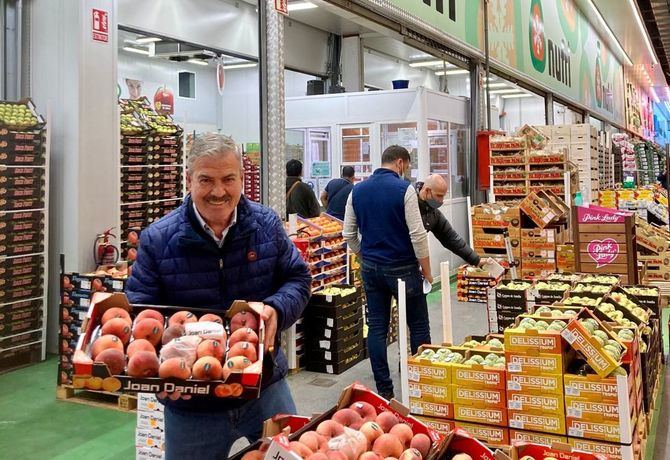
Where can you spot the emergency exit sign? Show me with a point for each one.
(99, 25)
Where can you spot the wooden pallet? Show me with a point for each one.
(104, 399)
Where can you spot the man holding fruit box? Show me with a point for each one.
(215, 248)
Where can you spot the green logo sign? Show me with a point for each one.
(536, 38)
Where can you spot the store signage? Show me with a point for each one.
(282, 7)
(599, 215)
(603, 252)
(164, 101)
(99, 25)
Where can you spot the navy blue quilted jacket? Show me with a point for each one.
(179, 264)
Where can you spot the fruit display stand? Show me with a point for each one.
(152, 170)
(76, 291)
(572, 373)
(334, 330)
(24, 204)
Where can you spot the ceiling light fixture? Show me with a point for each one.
(429, 64)
(297, 6)
(452, 72)
(145, 40)
(197, 61)
(609, 32)
(132, 49)
(497, 85)
(643, 31)
(505, 91)
(240, 66)
(516, 96)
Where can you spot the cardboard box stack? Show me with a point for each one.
(489, 224)
(252, 178)
(327, 252)
(574, 372)
(334, 330)
(473, 283)
(653, 251)
(581, 144)
(150, 428)
(76, 291)
(152, 169)
(506, 301)
(23, 229)
(565, 258)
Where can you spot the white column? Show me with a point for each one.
(352, 64)
(77, 77)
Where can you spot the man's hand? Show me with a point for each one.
(175, 395)
(269, 316)
(483, 262)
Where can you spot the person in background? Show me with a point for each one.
(382, 224)
(431, 197)
(300, 198)
(663, 178)
(218, 247)
(334, 197)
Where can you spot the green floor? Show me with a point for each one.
(34, 425)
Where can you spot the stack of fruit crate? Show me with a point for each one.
(334, 330)
(24, 152)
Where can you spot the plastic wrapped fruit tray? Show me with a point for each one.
(198, 358)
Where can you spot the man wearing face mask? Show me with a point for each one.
(382, 224)
(431, 197)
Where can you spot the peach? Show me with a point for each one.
(150, 329)
(422, 443)
(212, 348)
(371, 431)
(115, 312)
(237, 363)
(243, 335)
(348, 418)
(172, 332)
(245, 349)
(132, 254)
(143, 364)
(96, 285)
(336, 455)
(243, 319)
(149, 313)
(207, 368)
(114, 359)
(118, 327)
(329, 429)
(299, 448)
(174, 367)
(104, 342)
(182, 317)
(403, 433)
(369, 456)
(211, 317)
(387, 420)
(411, 454)
(467, 457)
(388, 445)
(312, 440)
(318, 456)
(133, 238)
(139, 345)
(254, 455)
(365, 410)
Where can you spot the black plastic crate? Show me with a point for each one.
(319, 299)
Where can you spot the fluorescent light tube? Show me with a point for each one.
(132, 49)
(240, 66)
(452, 72)
(301, 6)
(145, 40)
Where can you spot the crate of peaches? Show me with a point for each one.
(151, 349)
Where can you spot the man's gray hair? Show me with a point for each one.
(212, 145)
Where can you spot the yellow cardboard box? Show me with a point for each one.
(440, 394)
(537, 421)
(535, 384)
(431, 409)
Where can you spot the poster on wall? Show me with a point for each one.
(164, 100)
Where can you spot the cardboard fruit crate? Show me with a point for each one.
(541, 209)
(581, 340)
(547, 439)
(537, 421)
(563, 451)
(245, 384)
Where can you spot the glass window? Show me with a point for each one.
(458, 148)
(356, 150)
(405, 135)
(295, 144)
(438, 146)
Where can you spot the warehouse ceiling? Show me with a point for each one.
(656, 16)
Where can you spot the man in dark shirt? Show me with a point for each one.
(431, 197)
(334, 197)
(300, 198)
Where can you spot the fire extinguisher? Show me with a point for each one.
(104, 252)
